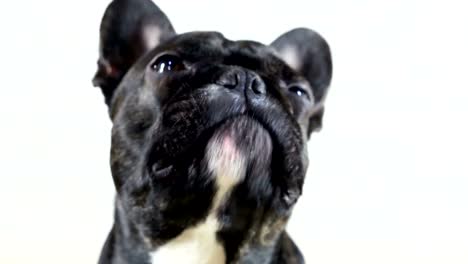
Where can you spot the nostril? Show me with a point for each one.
(258, 87)
(230, 80)
(242, 80)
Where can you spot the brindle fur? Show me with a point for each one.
(167, 120)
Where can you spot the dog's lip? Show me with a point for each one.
(230, 118)
(204, 135)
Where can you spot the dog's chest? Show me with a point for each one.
(196, 245)
(199, 245)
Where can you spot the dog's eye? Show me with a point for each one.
(299, 91)
(167, 63)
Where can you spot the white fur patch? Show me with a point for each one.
(227, 164)
(198, 245)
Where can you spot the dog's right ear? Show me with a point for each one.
(129, 29)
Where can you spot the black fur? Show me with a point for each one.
(164, 120)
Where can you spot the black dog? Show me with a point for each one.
(209, 138)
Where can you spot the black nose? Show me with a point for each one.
(242, 80)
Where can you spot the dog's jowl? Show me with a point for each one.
(209, 138)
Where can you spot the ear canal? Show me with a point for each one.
(129, 29)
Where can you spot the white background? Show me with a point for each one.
(388, 181)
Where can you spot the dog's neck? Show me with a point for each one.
(198, 245)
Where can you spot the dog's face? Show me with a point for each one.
(205, 128)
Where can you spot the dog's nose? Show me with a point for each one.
(243, 80)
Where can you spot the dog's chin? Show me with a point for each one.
(239, 138)
(238, 142)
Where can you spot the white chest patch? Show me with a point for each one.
(198, 245)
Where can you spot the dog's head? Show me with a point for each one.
(208, 127)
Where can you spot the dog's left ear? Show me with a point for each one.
(308, 53)
(129, 29)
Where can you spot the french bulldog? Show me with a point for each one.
(209, 138)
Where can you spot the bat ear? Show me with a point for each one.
(129, 29)
(308, 53)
